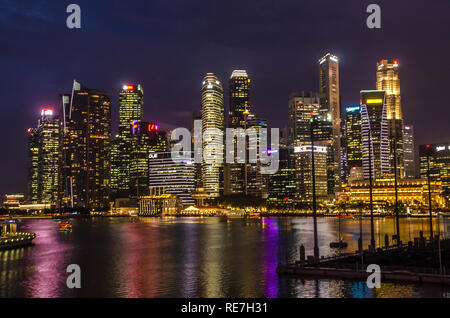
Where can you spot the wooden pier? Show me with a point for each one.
(417, 262)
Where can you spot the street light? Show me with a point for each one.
(316, 241)
(429, 191)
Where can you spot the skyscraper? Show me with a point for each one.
(388, 80)
(353, 138)
(213, 134)
(303, 171)
(176, 177)
(439, 162)
(282, 185)
(239, 98)
(131, 111)
(374, 134)
(303, 107)
(329, 86)
(86, 126)
(409, 152)
(33, 166)
(147, 139)
(44, 146)
(49, 146)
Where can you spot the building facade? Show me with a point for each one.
(303, 175)
(213, 134)
(375, 136)
(409, 152)
(43, 161)
(329, 86)
(353, 140)
(131, 112)
(176, 177)
(388, 80)
(438, 158)
(86, 148)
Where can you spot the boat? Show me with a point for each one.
(65, 227)
(340, 243)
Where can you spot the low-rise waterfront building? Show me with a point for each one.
(410, 192)
(159, 203)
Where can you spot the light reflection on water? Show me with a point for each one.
(210, 257)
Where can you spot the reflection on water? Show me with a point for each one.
(210, 257)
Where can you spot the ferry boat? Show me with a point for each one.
(65, 227)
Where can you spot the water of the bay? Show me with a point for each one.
(193, 257)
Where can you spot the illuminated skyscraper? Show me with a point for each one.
(175, 177)
(409, 152)
(236, 174)
(49, 145)
(213, 134)
(388, 80)
(374, 133)
(44, 146)
(303, 171)
(86, 126)
(147, 139)
(439, 162)
(282, 185)
(33, 166)
(131, 111)
(353, 138)
(239, 98)
(303, 107)
(329, 86)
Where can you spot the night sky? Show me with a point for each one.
(168, 46)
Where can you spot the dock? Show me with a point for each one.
(16, 240)
(416, 262)
(10, 238)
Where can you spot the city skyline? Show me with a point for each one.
(291, 70)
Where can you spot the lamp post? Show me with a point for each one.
(372, 228)
(429, 191)
(396, 190)
(316, 241)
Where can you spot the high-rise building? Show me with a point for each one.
(239, 98)
(409, 152)
(146, 139)
(48, 131)
(44, 146)
(329, 86)
(303, 108)
(236, 174)
(86, 168)
(303, 175)
(213, 134)
(131, 111)
(33, 166)
(438, 156)
(374, 134)
(176, 177)
(353, 139)
(388, 80)
(282, 186)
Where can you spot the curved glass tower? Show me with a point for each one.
(213, 131)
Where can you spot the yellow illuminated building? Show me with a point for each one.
(410, 192)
